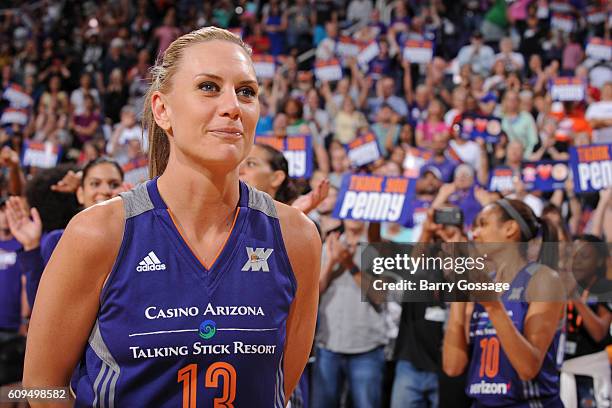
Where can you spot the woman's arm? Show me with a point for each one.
(597, 228)
(455, 357)
(420, 136)
(597, 324)
(69, 295)
(304, 249)
(531, 134)
(526, 351)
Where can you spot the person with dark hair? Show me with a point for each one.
(86, 125)
(55, 208)
(100, 180)
(585, 374)
(294, 109)
(553, 214)
(266, 169)
(510, 346)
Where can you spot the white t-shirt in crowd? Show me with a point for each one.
(533, 202)
(600, 110)
(515, 57)
(468, 152)
(77, 99)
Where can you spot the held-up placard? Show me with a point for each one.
(368, 53)
(501, 179)
(563, 22)
(264, 65)
(136, 170)
(237, 31)
(561, 6)
(596, 15)
(347, 47)
(12, 115)
(545, 175)
(363, 150)
(418, 52)
(415, 158)
(487, 127)
(592, 167)
(44, 155)
(296, 149)
(375, 198)
(330, 70)
(599, 49)
(567, 89)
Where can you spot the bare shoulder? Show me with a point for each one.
(300, 234)
(101, 224)
(95, 234)
(545, 285)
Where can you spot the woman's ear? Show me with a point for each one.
(79, 195)
(161, 111)
(511, 229)
(277, 178)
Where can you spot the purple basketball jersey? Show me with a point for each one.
(171, 332)
(492, 381)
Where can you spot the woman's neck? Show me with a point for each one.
(509, 263)
(199, 197)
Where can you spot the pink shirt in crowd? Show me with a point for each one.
(430, 129)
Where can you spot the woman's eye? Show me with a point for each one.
(209, 87)
(115, 185)
(248, 92)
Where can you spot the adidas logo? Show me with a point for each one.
(150, 263)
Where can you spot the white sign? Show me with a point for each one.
(568, 89)
(264, 66)
(562, 22)
(368, 53)
(363, 150)
(328, 70)
(599, 49)
(43, 155)
(418, 52)
(347, 47)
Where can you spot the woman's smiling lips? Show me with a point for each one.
(228, 133)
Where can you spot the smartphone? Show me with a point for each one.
(448, 216)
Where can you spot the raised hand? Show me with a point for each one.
(308, 202)
(9, 157)
(69, 184)
(26, 226)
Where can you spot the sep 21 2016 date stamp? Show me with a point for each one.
(20, 394)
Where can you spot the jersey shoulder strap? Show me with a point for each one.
(137, 201)
(260, 201)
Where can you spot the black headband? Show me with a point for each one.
(511, 211)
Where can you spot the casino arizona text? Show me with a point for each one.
(154, 312)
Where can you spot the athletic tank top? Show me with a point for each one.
(171, 332)
(10, 286)
(492, 381)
